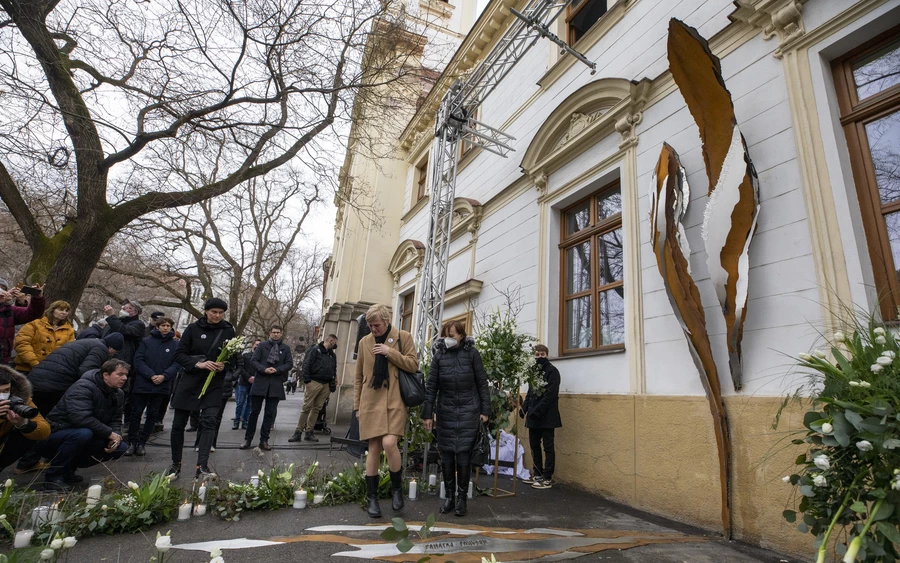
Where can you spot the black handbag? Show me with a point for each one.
(481, 454)
(412, 385)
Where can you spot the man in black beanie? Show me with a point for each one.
(197, 352)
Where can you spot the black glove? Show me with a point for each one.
(332, 387)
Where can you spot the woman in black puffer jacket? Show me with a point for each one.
(458, 384)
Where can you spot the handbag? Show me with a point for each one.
(412, 385)
(481, 450)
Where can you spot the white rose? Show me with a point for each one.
(786, 478)
(133, 486)
(215, 552)
(820, 354)
(880, 340)
(47, 555)
(260, 473)
(840, 336)
(217, 560)
(822, 462)
(104, 507)
(69, 542)
(884, 361)
(57, 543)
(8, 484)
(827, 428)
(856, 383)
(864, 445)
(878, 330)
(316, 464)
(865, 384)
(803, 356)
(875, 368)
(889, 354)
(820, 481)
(163, 543)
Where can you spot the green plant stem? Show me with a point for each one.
(823, 548)
(855, 545)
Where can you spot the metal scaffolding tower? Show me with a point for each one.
(455, 123)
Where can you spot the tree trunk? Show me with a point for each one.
(73, 261)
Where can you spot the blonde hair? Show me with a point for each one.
(380, 312)
(59, 304)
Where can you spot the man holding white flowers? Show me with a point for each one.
(197, 352)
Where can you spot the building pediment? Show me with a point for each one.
(466, 216)
(409, 254)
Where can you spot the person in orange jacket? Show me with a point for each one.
(18, 434)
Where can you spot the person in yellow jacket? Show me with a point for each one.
(37, 339)
(18, 434)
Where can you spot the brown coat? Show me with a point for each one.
(382, 411)
(37, 339)
(37, 428)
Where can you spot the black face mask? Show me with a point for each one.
(542, 361)
(333, 348)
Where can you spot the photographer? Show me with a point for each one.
(87, 425)
(12, 315)
(18, 433)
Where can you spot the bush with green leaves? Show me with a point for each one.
(849, 480)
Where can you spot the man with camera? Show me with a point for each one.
(86, 424)
(21, 425)
(12, 315)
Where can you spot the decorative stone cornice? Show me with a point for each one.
(540, 182)
(640, 92)
(409, 254)
(466, 290)
(782, 18)
(466, 217)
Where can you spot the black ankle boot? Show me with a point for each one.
(449, 488)
(372, 495)
(396, 491)
(463, 472)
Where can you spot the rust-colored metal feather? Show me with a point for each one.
(669, 199)
(733, 205)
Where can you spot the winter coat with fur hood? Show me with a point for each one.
(35, 429)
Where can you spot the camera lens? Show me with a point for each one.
(21, 408)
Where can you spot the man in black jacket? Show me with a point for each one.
(319, 379)
(242, 389)
(270, 367)
(197, 353)
(133, 329)
(541, 412)
(86, 425)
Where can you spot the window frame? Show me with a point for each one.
(855, 114)
(421, 181)
(403, 313)
(570, 15)
(464, 147)
(594, 230)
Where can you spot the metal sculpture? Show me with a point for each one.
(669, 198)
(733, 205)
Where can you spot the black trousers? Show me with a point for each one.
(457, 470)
(208, 417)
(215, 441)
(543, 465)
(139, 402)
(14, 446)
(163, 407)
(268, 418)
(44, 401)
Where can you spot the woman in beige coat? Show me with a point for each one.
(377, 401)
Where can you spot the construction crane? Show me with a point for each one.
(454, 123)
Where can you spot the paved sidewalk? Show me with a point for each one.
(581, 526)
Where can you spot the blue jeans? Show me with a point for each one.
(242, 403)
(73, 448)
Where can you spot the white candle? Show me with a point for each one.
(201, 493)
(413, 490)
(300, 499)
(23, 539)
(318, 498)
(471, 489)
(443, 493)
(200, 510)
(432, 480)
(93, 495)
(254, 480)
(53, 514)
(40, 515)
(184, 511)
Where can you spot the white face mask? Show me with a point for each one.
(450, 342)
(4, 396)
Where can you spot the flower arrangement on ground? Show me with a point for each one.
(849, 480)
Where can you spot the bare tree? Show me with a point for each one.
(123, 109)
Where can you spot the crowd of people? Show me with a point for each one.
(72, 401)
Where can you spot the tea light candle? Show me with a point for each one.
(318, 498)
(53, 513)
(23, 538)
(93, 495)
(184, 511)
(432, 480)
(200, 510)
(254, 480)
(201, 493)
(471, 489)
(40, 515)
(413, 490)
(300, 499)
(443, 492)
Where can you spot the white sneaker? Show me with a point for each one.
(211, 450)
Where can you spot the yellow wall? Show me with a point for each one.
(658, 453)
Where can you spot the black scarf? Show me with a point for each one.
(380, 371)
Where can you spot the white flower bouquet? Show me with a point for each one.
(229, 349)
